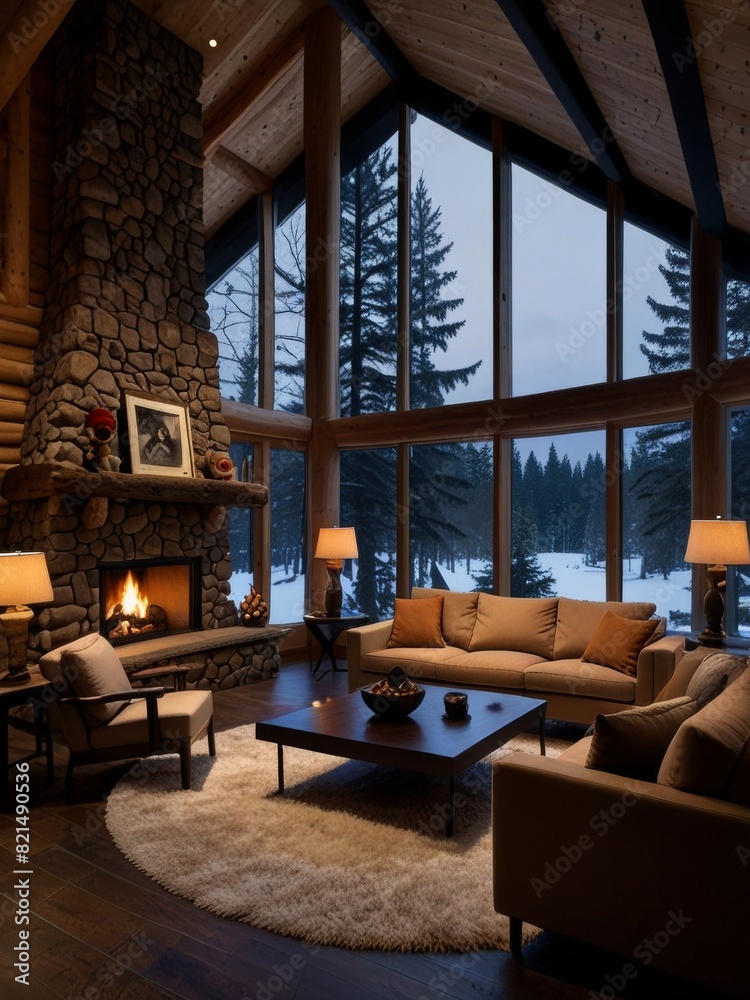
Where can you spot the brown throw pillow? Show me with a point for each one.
(417, 622)
(618, 641)
(709, 746)
(633, 743)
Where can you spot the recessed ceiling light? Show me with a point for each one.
(213, 43)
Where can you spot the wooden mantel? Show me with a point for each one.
(34, 482)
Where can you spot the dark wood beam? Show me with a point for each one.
(670, 29)
(546, 46)
(457, 114)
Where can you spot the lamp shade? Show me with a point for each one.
(336, 543)
(718, 542)
(24, 579)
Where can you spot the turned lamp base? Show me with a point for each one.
(713, 608)
(334, 594)
(15, 622)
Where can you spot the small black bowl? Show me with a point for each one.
(393, 706)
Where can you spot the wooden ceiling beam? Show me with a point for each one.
(241, 170)
(23, 37)
(546, 46)
(221, 120)
(362, 23)
(673, 39)
(423, 95)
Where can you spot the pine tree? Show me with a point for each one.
(430, 329)
(661, 456)
(527, 578)
(669, 350)
(367, 281)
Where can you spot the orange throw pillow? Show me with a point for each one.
(618, 641)
(417, 622)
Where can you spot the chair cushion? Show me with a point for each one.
(417, 623)
(525, 624)
(708, 747)
(92, 667)
(618, 641)
(578, 620)
(182, 716)
(633, 743)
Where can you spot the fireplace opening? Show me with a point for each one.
(146, 598)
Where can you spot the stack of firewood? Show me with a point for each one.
(253, 610)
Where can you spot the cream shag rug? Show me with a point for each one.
(351, 854)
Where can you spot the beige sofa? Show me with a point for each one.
(517, 645)
(655, 873)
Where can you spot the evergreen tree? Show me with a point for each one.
(661, 456)
(430, 329)
(594, 491)
(669, 350)
(527, 578)
(367, 315)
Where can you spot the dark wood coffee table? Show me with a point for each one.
(425, 741)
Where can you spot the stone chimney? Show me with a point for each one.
(126, 307)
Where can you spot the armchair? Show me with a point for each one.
(104, 718)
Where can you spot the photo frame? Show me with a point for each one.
(159, 436)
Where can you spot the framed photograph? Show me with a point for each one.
(158, 435)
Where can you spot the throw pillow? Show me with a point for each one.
(618, 641)
(708, 746)
(94, 668)
(633, 743)
(713, 675)
(417, 622)
(522, 624)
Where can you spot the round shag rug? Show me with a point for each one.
(351, 854)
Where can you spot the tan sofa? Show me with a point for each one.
(657, 874)
(517, 645)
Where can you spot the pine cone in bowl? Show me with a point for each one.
(394, 697)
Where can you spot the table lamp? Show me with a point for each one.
(335, 545)
(717, 544)
(24, 579)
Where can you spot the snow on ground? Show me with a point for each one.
(572, 579)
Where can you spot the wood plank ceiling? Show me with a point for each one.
(515, 58)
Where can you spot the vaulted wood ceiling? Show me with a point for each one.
(663, 84)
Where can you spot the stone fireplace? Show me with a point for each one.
(148, 597)
(126, 313)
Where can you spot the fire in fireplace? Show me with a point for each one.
(139, 600)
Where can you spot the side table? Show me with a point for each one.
(326, 629)
(11, 696)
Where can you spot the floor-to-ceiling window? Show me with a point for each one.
(445, 501)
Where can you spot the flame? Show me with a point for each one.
(131, 599)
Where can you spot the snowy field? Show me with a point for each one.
(572, 579)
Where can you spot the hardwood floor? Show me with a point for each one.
(102, 930)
